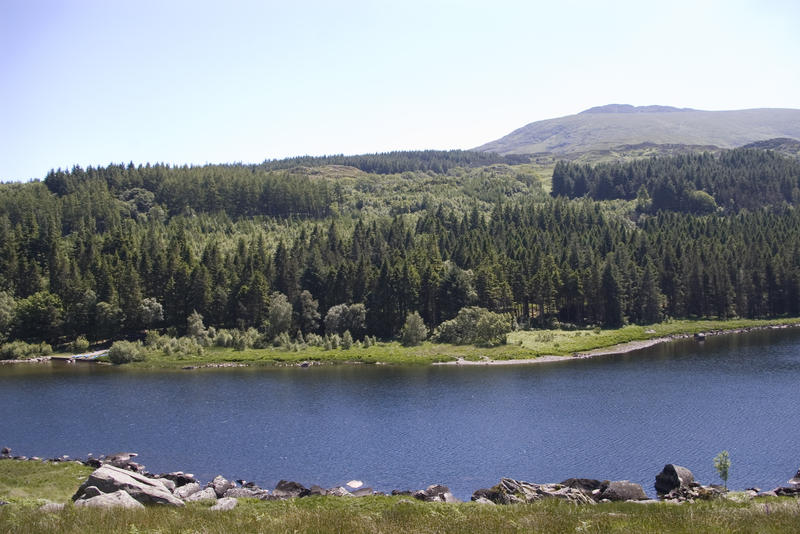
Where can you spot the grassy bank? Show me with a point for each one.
(23, 485)
(521, 345)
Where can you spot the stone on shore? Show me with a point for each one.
(50, 507)
(187, 490)
(795, 481)
(225, 503)
(286, 489)
(116, 499)
(221, 485)
(672, 477)
(510, 491)
(109, 479)
(206, 494)
(248, 493)
(623, 490)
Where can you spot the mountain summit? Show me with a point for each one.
(615, 125)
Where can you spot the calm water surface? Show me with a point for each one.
(616, 417)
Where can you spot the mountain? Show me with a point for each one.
(606, 127)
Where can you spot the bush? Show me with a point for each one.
(474, 326)
(19, 350)
(414, 330)
(126, 352)
(347, 340)
(81, 344)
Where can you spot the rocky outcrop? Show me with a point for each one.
(205, 494)
(672, 477)
(187, 490)
(623, 490)
(110, 479)
(221, 485)
(510, 491)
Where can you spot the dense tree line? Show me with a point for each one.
(107, 253)
(696, 183)
(437, 161)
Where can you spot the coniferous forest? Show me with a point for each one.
(361, 243)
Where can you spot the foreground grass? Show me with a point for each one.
(395, 514)
(521, 345)
(56, 481)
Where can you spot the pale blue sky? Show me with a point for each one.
(94, 82)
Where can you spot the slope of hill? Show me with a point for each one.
(606, 127)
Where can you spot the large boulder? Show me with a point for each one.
(225, 503)
(109, 479)
(510, 491)
(289, 490)
(221, 485)
(672, 477)
(116, 499)
(623, 490)
(248, 493)
(589, 486)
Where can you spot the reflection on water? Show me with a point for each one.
(609, 417)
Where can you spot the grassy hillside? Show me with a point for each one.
(604, 128)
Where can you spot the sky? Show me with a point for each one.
(194, 82)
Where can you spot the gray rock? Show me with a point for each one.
(167, 483)
(289, 490)
(5, 451)
(221, 485)
(187, 490)
(109, 479)
(339, 491)
(434, 493)
(623, 490)
(179, 478)
(225, 503)
(248, 493)
(483, 500)
(672, 477)
(317, 491)
(123, 460)
(116, 499)
(510, 491)
(52, 507)
(586, 485)
(91, 491)
(206, 494)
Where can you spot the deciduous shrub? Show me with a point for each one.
(474, 326)
(126, 352)
(17, 350)
(414, 330)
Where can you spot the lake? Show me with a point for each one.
(610, 417)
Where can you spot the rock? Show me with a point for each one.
(795, 481)
(91, 491)
(317, 491)
(586, 485)
(362, 492)
(51, 507)
(109, 479)
(355, 484)
(225, 503)
(187, 490)
(434, 493)
(124, 460)
(116, 499)
(788, 492)
(221, 485)
(179, 477)
(206, 494)
(5, 451)
(511, 491)
(401, 492)
(248, 493)
(483, 500)
(289, 490)
(672, 477)
(623, 490)
(339, 491)
(167, 483)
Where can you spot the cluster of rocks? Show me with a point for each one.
(119, 481)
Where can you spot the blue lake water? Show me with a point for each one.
(613, 417)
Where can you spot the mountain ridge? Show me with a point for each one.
(613, 125)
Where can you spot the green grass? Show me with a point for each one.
(394, 514)
(56, 481)
(521, 345)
